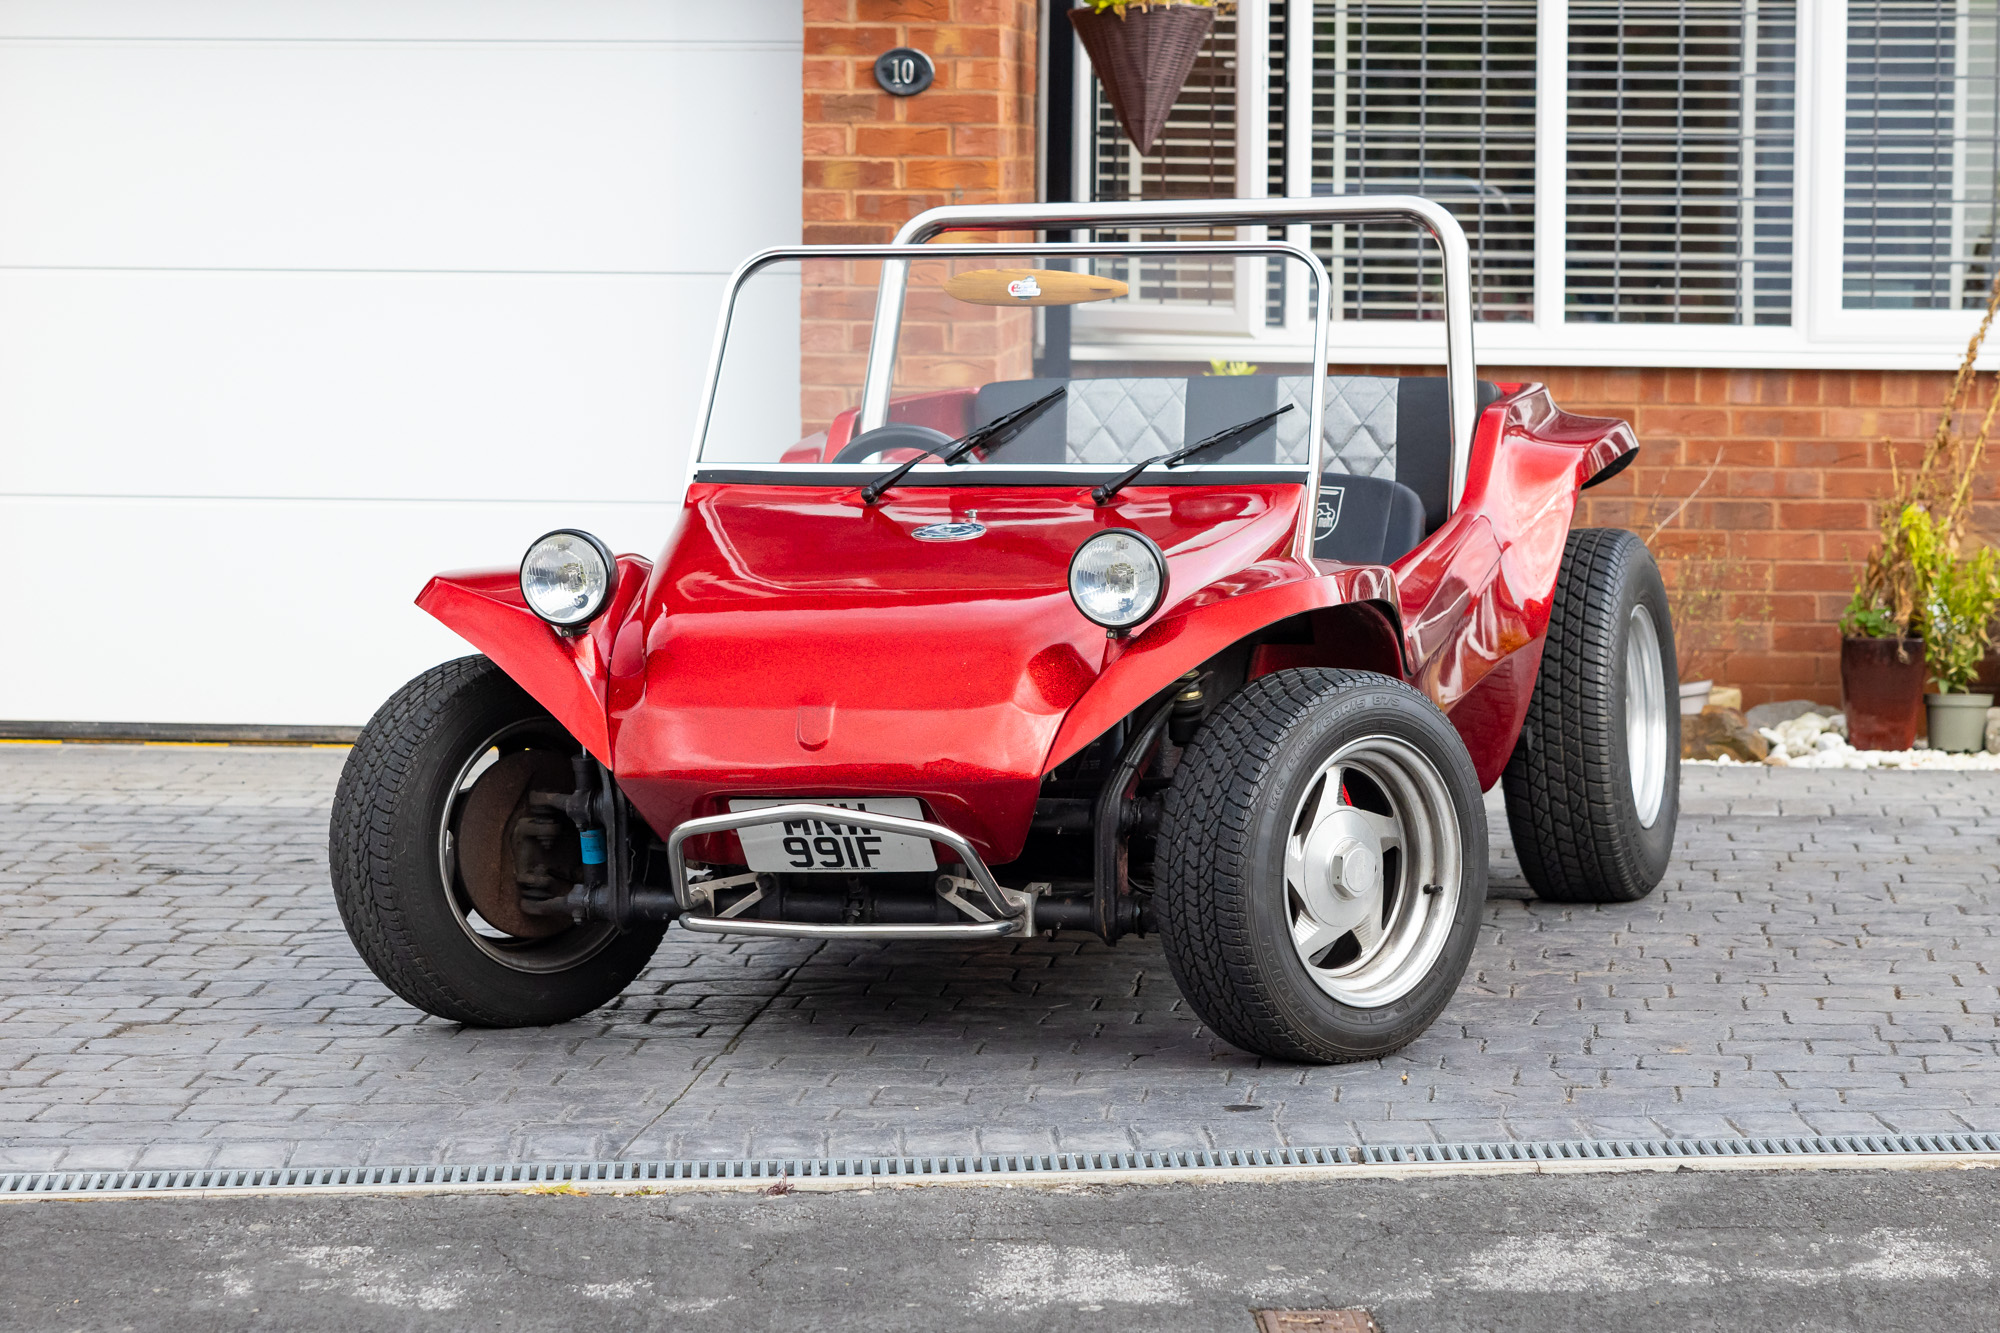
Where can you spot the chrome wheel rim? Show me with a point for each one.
(557, 953)
(1373, 871)
(1645, 715)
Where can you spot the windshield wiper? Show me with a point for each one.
(1103, 492)
(993, 434)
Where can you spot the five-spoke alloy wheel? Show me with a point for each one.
(1372, 871)
(1322, 864)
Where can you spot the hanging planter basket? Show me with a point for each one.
(1143, 58)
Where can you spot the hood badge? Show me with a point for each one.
(963, 531)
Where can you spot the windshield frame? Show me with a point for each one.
(891, 254)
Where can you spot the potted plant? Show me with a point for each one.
(1881, 677)
(1957, 596)
(1143, 51)
(1883, 639)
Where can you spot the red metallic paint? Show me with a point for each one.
(1478, 590)
(795, 642)
(564, 674)
(941, 670)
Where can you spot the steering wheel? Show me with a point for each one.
(870, 445)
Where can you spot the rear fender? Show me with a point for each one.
(566, 675)
(1224, 614)
(1476, 595)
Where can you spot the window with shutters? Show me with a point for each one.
(1917, 226)
(1642, 182)
(1681, 121)
(1194, 158)
(1433, 98)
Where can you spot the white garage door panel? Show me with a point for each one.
(420, 386)
(290, 614)
(302, 301)
(396, 156)
(407, 20)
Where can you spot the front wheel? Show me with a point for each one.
(1322, 865)
(426, 825)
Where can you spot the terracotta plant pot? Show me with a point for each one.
(1143, 60)
(1958, 721)
(1882, 686)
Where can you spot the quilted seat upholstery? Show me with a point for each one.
(1377, 427)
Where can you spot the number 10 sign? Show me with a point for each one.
(904, 71)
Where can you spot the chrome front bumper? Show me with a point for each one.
(999, 911)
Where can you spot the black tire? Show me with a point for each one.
(1223, 907)
(383, 850)
(1571, 803)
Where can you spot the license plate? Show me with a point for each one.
(821, 847)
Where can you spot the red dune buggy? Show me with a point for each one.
(963, 634)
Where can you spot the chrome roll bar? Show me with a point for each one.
(896, 259)
(1461, 374)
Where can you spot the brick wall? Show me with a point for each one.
(1790, 510)
(873, 161)
(1788, 515)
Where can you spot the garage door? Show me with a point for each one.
(303, 302)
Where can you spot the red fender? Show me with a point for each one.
(1225, 612)
(1477, 593)
(564, 674)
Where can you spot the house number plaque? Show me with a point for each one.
(904, 71)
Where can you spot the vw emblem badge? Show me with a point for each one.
(949, 532)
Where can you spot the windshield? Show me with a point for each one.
(1019, 365)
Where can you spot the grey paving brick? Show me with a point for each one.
(175, 990)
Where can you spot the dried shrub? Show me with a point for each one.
(1711, 618)
(1889, 597)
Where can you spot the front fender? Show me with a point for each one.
(1224, 613)
(566, 675)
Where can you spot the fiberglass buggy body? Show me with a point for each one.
(1230, 659)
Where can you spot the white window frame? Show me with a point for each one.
(1143, 324)
(1822, 334)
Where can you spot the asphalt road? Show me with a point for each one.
(1826, 1250)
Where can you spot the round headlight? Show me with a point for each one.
(567, 577)
(1117, 578)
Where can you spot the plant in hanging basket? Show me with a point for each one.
(1143, 52)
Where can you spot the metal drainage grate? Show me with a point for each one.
(21, 1184)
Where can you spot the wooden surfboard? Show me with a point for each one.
(1031, 286)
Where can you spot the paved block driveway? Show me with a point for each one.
(175, 990)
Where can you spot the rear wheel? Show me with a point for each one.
(1593, 786)
(431, 807)
(1322, 865)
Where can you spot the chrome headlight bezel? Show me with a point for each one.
(1143, 610)
(574, 621)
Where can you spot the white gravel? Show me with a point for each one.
(1819, 740)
